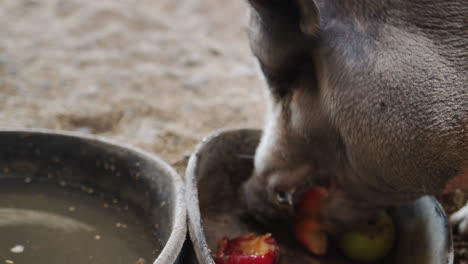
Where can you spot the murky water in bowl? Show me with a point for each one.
(44, 223)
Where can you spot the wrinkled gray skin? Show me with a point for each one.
(368, 96)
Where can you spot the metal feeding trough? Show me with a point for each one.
(66, 198)
(219, 166)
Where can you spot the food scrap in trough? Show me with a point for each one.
(248, 249)
(309, 227)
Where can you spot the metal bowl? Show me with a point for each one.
(132, 175)
(219, 166)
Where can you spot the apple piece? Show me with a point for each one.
(248, 249)
(370, 241)
(268, 258)
(312, 202)
(312, 237)
(308, 226)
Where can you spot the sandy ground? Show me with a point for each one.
(157, 74)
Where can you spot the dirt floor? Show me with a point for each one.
(160, 74)
(157, 74)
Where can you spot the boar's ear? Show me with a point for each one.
(303, 13)
(310, 17)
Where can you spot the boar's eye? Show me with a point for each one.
(284, 197)
(281, 79)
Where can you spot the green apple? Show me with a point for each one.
(370, 241)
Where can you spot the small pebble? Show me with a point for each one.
(196, 82)
(118, 224)
(71, 209)
(17, 249)
(8, 261)
(3, 59)
(106, 205)
(215, 50)
(193, 60)
(243, 71)
(97, 237)
(83, 130)
(27, 180)
(115, 201)
(140, 261)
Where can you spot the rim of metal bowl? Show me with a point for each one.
(174, 244)
(194, 216)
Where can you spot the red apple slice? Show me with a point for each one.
(312, 237)
(308, 228)
(312, 201)
(248, 249)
